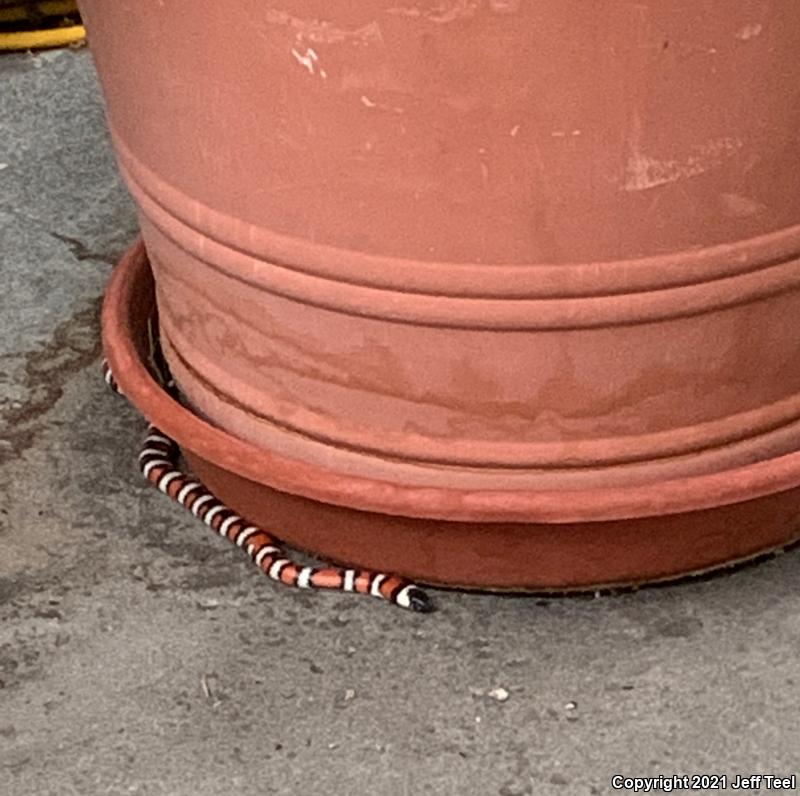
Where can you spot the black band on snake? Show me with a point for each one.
(159, 463)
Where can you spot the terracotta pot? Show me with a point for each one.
(475, 247)
(548, 540)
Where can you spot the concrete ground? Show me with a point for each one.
(141, 655)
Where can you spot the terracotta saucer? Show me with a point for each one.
(505, 540)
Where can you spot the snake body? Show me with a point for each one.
(159, 463)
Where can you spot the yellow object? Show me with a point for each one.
(44, 8)
(58, 36)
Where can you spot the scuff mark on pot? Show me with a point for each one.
(381, 106)
(321, 32)
(738, 206)
(310, 60)
(379, 77)
(442, 12)
(644, 171)
(504, 6)
(747, 32)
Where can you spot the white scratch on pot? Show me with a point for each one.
(308, 60)
(445, 11)
(738, 206)
(321, 31)
(644, 171)
(365, 100)
(404, 11)
(514, 130)
(750, 31)
(504, 6)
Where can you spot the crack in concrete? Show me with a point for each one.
(74, 345)
(80, 251)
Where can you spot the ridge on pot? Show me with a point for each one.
(496, 539)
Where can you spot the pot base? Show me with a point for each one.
(516, 557)
(656, 537)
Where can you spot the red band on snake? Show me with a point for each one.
(159, 463)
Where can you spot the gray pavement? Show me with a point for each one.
(141, 655)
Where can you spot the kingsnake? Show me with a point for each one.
(159, 463)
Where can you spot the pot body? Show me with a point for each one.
(472, 244)
(522, 540)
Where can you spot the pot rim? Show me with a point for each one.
(128, 299)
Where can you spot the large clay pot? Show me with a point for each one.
(472, 246)
(523, 539)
